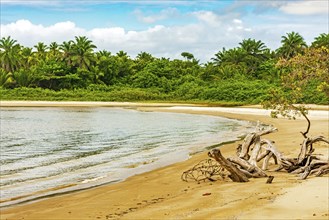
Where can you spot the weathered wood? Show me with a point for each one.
(254, 149)
(250, 139)
(266, 160)
(235, 174)
(255, 152)
(303, 168)
(242, 163)
(262, 155)
(324, 169)
(307, 146)
(279, 159)
(247, 142)
(248, 167)
(306, 173)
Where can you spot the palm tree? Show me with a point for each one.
(124, 64)
(292, 44)
(66, 49)
(103, 53)
(82, 52)
(146, 57)
(9, 50)
(122, 54)
(54, 50)
(6, 78)
(219, 57)
(22, 77)
(41, 51)
(321, 41)
(253, 47)
(142, 60)
(26, 57)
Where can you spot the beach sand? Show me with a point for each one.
(161, 194)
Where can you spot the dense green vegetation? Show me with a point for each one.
(246, 74)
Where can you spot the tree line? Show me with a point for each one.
(243, 74)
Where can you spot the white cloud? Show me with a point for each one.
(208, 17)
(159, 40)
(163, 14)
(202, 37)
(306, 7)
(29, 34)
(237, 21)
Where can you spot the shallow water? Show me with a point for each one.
(46, 150)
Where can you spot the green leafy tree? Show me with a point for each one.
(83, 52)
(23, 78)
(232, 61)
(124, 67)
(292, 44)
(209, 72)
(187, 55)
(9, 50)
(102, 70)
(67, 50)
(297, 73)
(26, 57)
(6, 79)
(41, 51)
(254, 48)
(256, 53)
(219, 57)
(321, 41)
(142, 60)
(54, 52)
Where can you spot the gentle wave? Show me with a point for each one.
(43, 149)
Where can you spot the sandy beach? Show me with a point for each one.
(161, 194)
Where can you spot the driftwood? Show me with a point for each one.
(245, 165)
(255, 150)
(235, 174)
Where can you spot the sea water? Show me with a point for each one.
(47, 151)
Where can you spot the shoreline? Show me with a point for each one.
(137, 168)
(161, 194)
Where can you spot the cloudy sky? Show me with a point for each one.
(164, 28)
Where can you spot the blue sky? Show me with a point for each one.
(164, 28)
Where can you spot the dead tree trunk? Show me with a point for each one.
(250, 139)
(307, 147)
(235, 174)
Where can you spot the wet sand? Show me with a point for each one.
(161, 194)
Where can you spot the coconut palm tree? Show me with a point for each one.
(27, 58)
(253, 47)
(54, 50)
(321, 41)
(41, 52)
(144, 56)
(82, 52)
(6, 78)
(103, 53)
(122, 54)
(66, 49)
(9, 50)
(292, 44)
(219, 57)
